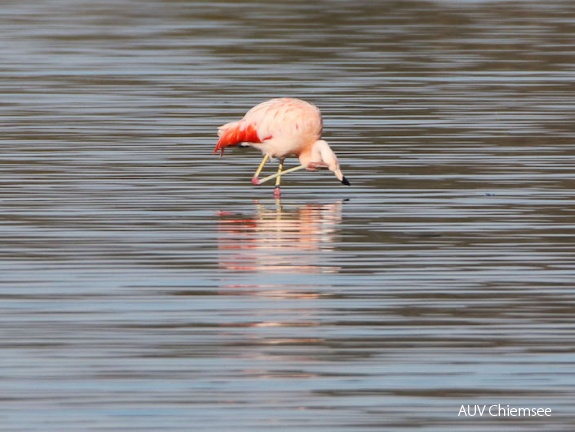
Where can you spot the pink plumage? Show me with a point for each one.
(280, 128)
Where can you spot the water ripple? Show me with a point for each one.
(147, 284)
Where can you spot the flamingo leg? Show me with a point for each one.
(277, 192)
(255, 179)
(273, 176)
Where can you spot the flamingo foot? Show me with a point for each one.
(255, 181)
(277, 192)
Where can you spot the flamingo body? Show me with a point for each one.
(280, 128)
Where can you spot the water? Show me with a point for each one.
(147, 285)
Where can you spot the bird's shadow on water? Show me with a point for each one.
(277, 237)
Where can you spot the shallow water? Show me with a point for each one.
(147, 285)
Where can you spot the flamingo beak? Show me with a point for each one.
(341, 177)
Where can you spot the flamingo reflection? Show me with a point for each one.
(280, 240)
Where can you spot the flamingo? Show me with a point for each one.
(280, 128)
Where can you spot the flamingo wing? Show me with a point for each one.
(235, 133)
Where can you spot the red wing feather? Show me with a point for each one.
(235, 135)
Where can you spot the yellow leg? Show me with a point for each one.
(280, 169)
(259, 170)
(273, 176)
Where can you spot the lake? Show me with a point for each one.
(147, 285)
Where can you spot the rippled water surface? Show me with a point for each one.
(147, 285)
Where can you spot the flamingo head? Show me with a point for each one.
(321, 155)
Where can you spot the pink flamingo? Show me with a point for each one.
(280, 128)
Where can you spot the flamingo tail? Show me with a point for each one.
(234, 133)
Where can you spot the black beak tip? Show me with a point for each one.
(345, 181)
